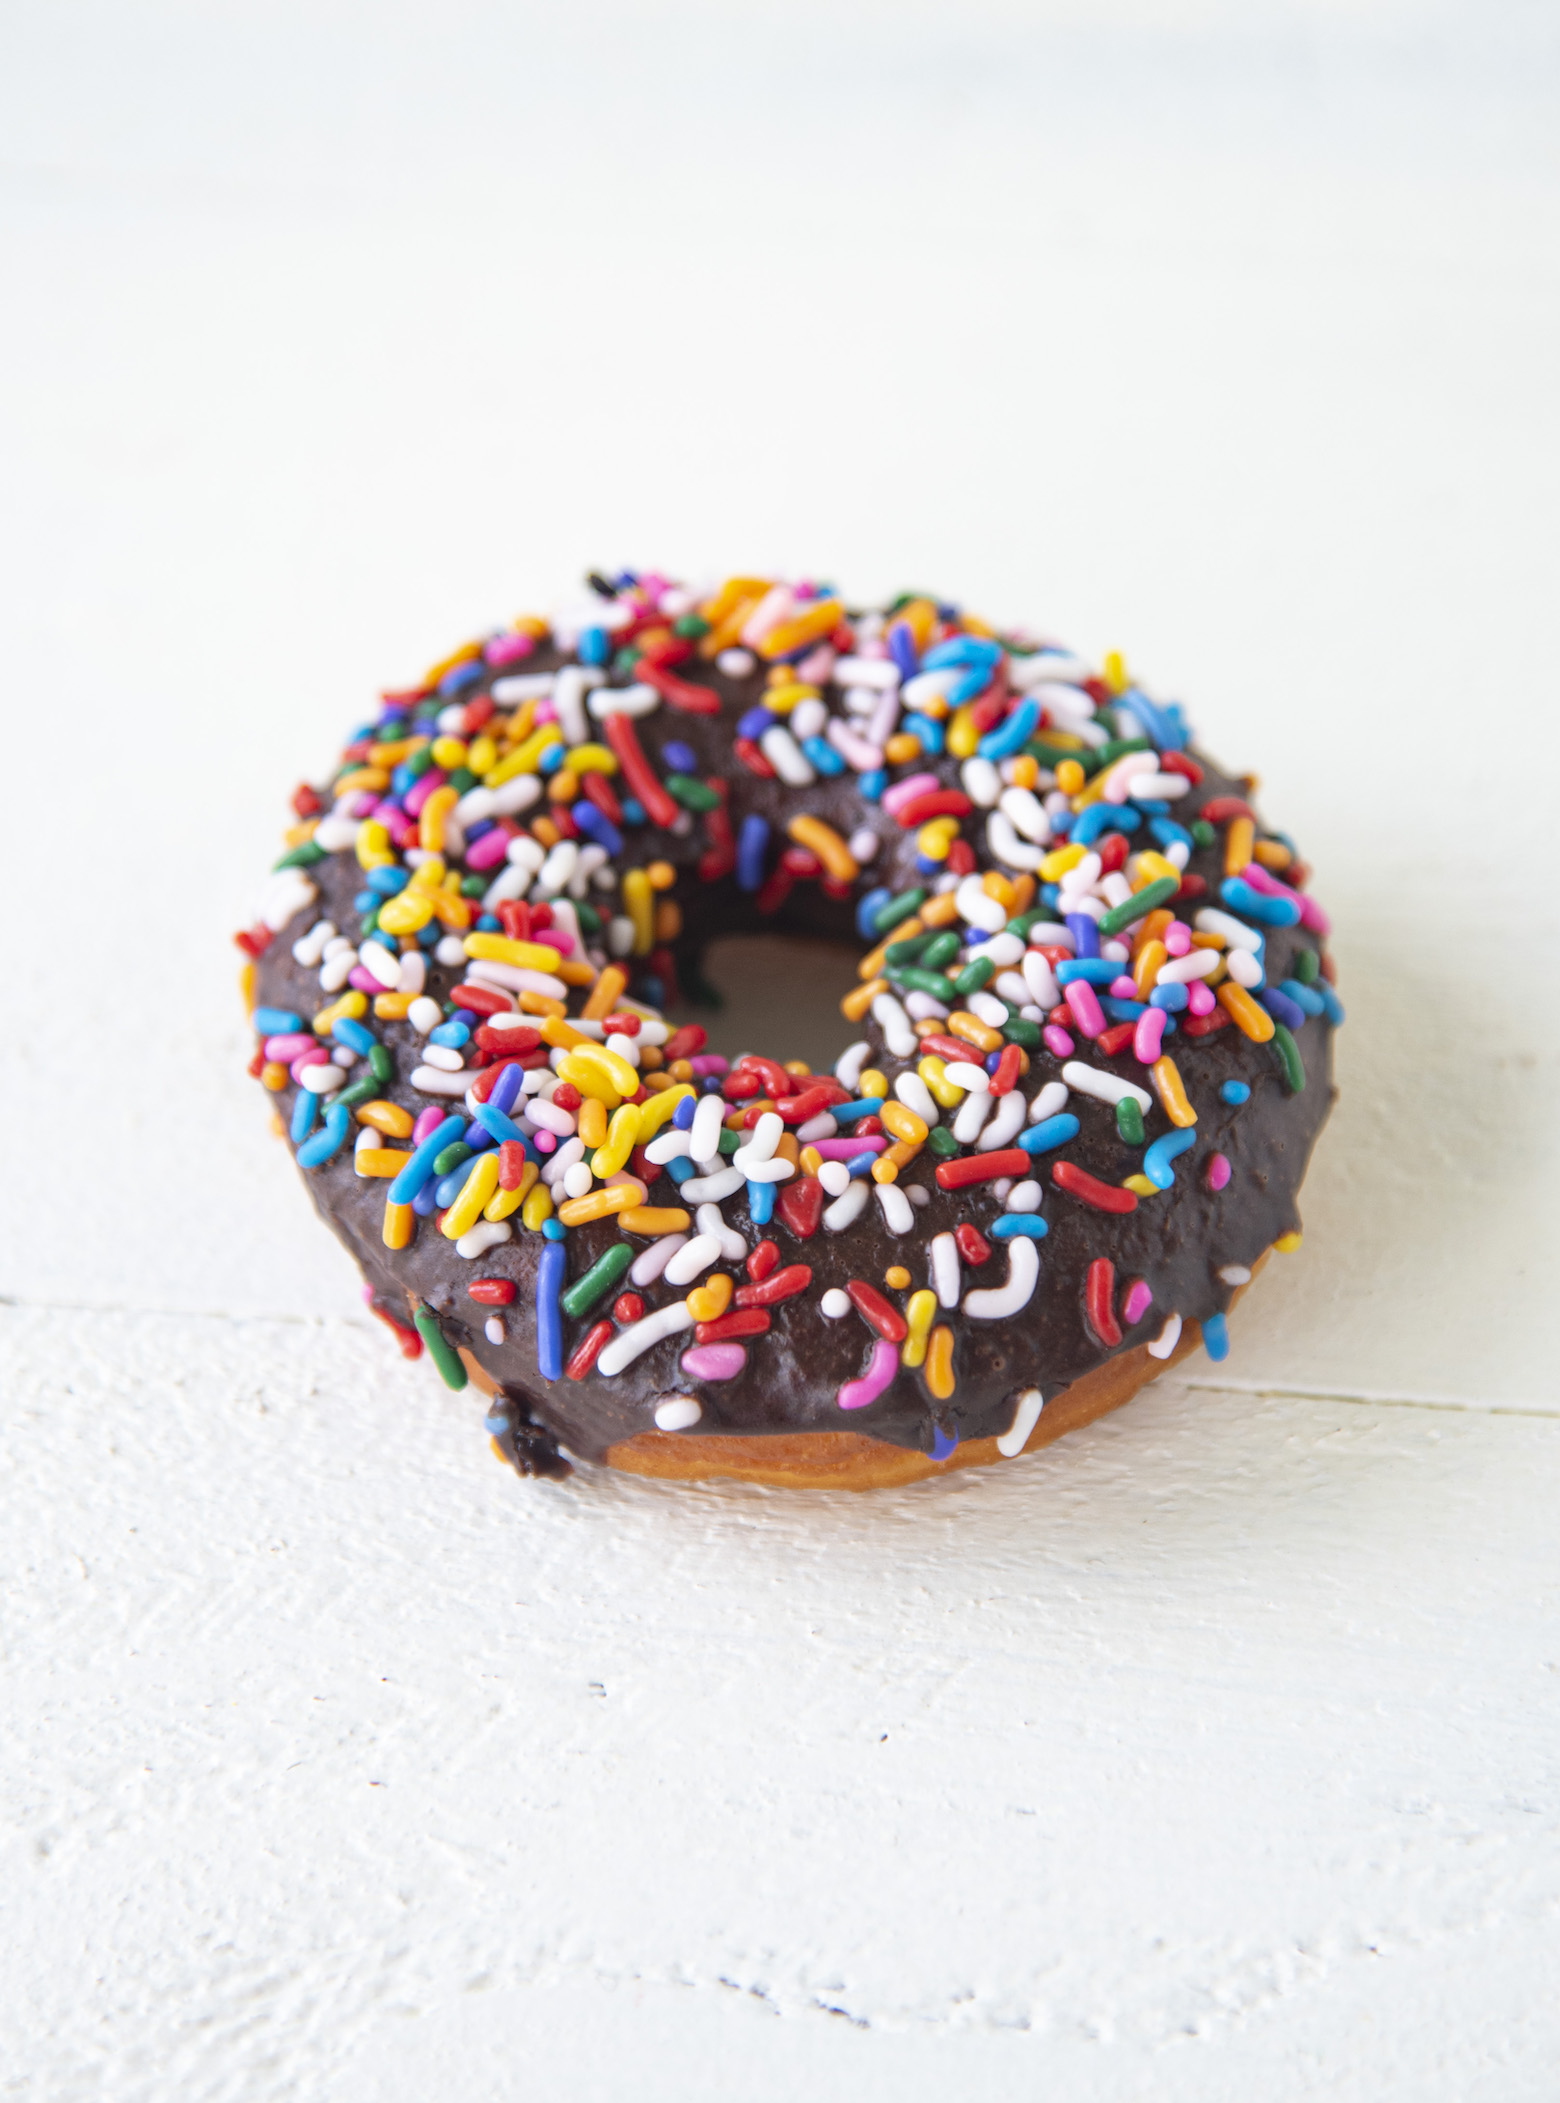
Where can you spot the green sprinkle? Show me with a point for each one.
(974, 975)
(362, 1091)
(909, 952)
(1023, 922)
(603, 1274)
(940, 1141)
(626, 659)
(451, 1157)
(451, 1371)
(1050, 755)
(889, 916)
(915, 980)
(588, 917)
(730, 1141)
(461, 779)
(1203, 833)
(1118, 748)
(1153, 895)
(472, 886)
(381, 1064)
(1018, 1031)
(303, 857)
(941, 949)
(417, 763)
(691, 794)
(1308, 966)
(1289, 1058)
(691, 625)
(1129, 1120)
(370, 922)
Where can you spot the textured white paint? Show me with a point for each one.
(1208, 1756)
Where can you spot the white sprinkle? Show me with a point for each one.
(1197, 963)
(787, 758)
(913, 1092)
(943, 1257)
(898, 1212)
(1023, 1197)
(558, 869)
(522, 686)
(551, 1118)
(863, 843)
(856, 752)
(704, 1132)
(525, 852)
(1026, 1415)
(677, 1413)
(917, 1193)
(570, 686)
(322, 1080)
(515, 795)
(1245, 969)
(846, 1210)
(847, 1067)
(451, 951)
(424, 1014)
(972, 1114)
(411, 972)
(999, 1303)
(761, 1142)
(921, 1007)
(577, 1180)
(835, 1178)
(429, 1080)
(1159, 788)
(1003, 949)
(1026, 814)
(981, 781)
(1008, 848)
(977, 906)
(964, 1073)
(334, 833)
(1007, 1122)
(724, 1183)
(558, 1163)
(823, 1126)
(834, 1305)
(667, 1146)
(1235, 1274)
(709, 1220)
(880, 673)
(735, 664)
(989, 1009)
(485, 1235)
(1051, 1100)
(336, 969)
(1041, 980)
(1167, 1339)
(778, 1170)
(636, 700)
(892, 1020)
(493, 1329)
(1104, 1087)
(381, 962)
(698, 1255)
(808, 717)
(1210, 921)
(648, 1265)
(309, 949)
(629, 1343)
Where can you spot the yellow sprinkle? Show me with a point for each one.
(1149, 867)
(1142, 1186)
(399, 1227)
(502, 949)
(538, 1207)
(622, 1137)
(920, 1313)
(610, 1063)
(1114, 672)
(503, 1202)
(246, 985)
(525, 756)
(945, 1093)
(654, 1219)
(1286, 1244)
(405, 913)
(449, 753)
(1243, 1011)
(483, 754)
(823, 841)
(638, 905)
(784, 692)
(654, 1113)
(1060, 860)
(963, 733)
(1166, 1076)
(360, 778)
(939, 1363)
(593, 759)
(351, 1007)
(468, 653)
(373, 845)
(589, 1079)
(601, 1204)
(1238, 843)
(872, 1083)
(1070, 777)
(474, 1193)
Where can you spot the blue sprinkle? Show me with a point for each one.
(1102, 818)
(451, 1034)
(1050, 895)
(596, 825)
(365, 901)
(1330, 1002)
(861, 1164)
(506, 1088)
(681, 758)
(634, 812)
(324, 1146)
(868, 907)
(1085, 931)
(823, 756)
(1305, 997)
(553, 1230)
(1216, 1337)
(448, 1188)
(304, 1111)
(432, 935)
(550, 759)
(459, 677)
(682, 1116)
(680, 1168)
(1235, 1092)
(1095, 971)
(402, 779)
(281, 1022)
(848, 1113)
(550, 1274)
(593, 646)
(943, 1442)
(928, 730)
(1165, 831)
(1252, 904)
(761, 1203)
(1012, 1224)
(353, 1035)
(1172, 998)
(419, 1166)
(710, 1084)
(756, 721)
(752, 850)
(426, 1202)
(925, 865)
(477, 1138)
(1158, 1157)
(388, 881)
(474, 832)
(870, 786)
(489, 924)
(992, 1061)
(493, 1120)
(970, 685)
(496, 1423)
(1150, 806)
(1005, 740)
(1050, 1133)
(901, 647)
(1282, 1008)
(961, 650)
(1163, 727)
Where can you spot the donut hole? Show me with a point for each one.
(782, 996)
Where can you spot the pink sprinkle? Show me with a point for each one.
(287, 1048)
(363, 806)
(317, 1055)
(1057, 1041)
(1140, 1297)
(847, 1149)
(363, 980)
(557, 938)
(1218, 1171)
(546, 712)
(508, 649)
(714, 1361)
(543, 1140)
(428, 1121)
(816, 666)
(1199, 997)
(856, 1394)
(491, 848)
(419, 792)
(1148, 1037)
(709, 1062)
(1084, 1002)
(902, 791)
(1123, 988)
(1312, 916)
(1178, 938)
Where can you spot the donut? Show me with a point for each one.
(1087, 1042)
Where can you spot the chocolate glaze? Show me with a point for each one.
(1177, 1241)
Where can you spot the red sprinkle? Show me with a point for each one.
(953, 1047)
(483, 1000)
(800, 1205)
(747, 1321)
(681, 693)
(1078, 1183)
(933, 803)
(306, 803)
(628, 1307)
(961, 859)
(411, 1343)
(984, 1168)
(876, 1312)
(637, 771)
(596, 789)
(775, 889)
(779, 1285)
(511, 1168)
(752, 758)
(1009, 1067)
(514, 916)
(590, 1349)
(1222, 808)
(741, 1087)
(685, 1043)
(1178, 763)
(521, 1040)
(1115, 1039)
(491, 1292)
(1112, 851)
(1192, 886)
(567, 1096)
(972, 1244)
(762, 1261)
(770, 1072)
(1100, 1300)
(1205, 1025)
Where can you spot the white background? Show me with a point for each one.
(1211, 1753)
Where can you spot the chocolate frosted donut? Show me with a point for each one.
(1089, 1043)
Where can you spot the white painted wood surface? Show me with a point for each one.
(1209, 1754)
